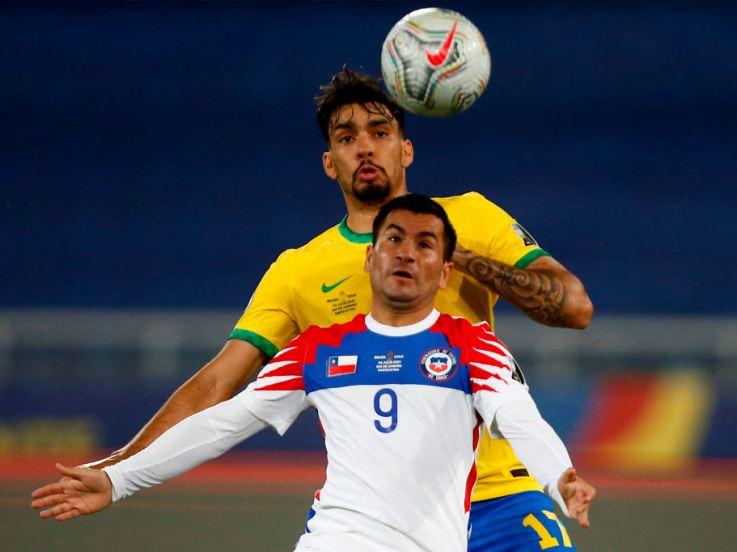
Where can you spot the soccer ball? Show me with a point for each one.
(435, 62)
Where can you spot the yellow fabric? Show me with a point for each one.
(300, 290)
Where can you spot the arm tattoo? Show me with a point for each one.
(539, 294)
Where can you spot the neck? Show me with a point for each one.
(391, 316)
(361, 220)
(361, 214)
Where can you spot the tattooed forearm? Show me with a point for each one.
(542, 295)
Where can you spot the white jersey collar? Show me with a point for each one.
(399, 331)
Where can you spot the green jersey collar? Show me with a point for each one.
(352, 236)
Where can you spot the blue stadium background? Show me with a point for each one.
(159, 155)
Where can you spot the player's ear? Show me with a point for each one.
(369, 258)
(328, 166)
(445, 274)
(408, 153)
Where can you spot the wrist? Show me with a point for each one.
(112, 476)
(554, 492)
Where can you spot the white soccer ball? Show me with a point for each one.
(435, 62)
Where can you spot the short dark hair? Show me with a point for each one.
(420, 204)
(347, 87)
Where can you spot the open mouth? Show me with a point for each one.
(368, 172)
(403, 274)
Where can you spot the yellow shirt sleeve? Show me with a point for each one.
(497, 235)
(268, 322)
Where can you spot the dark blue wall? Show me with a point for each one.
(160, 155)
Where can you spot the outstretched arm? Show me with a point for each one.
(503, 400)
(195, 440)
(276, 398)
(545, 291)
(540, 449)
(217, 381)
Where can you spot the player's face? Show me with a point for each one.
(368, 155)
(406, 265)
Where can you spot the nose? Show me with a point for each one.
(406, 252)
(365, 146)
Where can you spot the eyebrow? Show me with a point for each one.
(350, 125)
(423, 234)
(379, 122)
(396, 227)
(428, 234)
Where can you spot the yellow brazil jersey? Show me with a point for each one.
(323, 283)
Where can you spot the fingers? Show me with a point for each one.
(580, 503)
(48, 501)
(64, 510)
(50, 489)
(69, 514)
(581, 514)
(62, 486)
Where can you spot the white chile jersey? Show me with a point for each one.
(399, 411)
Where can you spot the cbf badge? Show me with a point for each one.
(438, 364)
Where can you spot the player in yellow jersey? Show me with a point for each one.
(323, 282)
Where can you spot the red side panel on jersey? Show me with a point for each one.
(471, 480)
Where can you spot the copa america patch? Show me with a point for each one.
(438, 364)
(522, 232)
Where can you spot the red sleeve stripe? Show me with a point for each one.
(500, 361)
(476, 386)
(283, 383)
(483, 371)
(281, 368)
(284, 350)
(484, 327)
(496, 345)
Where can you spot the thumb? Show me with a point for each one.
(569, 476)
(75, 473)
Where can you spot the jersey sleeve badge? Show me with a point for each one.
(522, 232)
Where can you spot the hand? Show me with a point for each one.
(577, 495)
(80, 492)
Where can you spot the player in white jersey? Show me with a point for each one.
(399, 393)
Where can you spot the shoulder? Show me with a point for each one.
(455, 328)
(472, 199)
(473, 203)
(463, 333)
(311, 248)
(331, 336)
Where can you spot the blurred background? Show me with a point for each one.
(155, 157)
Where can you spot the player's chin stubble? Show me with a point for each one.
(371, 191)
